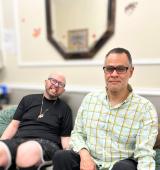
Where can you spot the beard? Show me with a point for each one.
(51, 93)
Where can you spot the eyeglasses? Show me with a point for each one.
(54, 82)
(119, 69)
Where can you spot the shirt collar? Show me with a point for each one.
(126, 100)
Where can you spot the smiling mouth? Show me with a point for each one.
(53, 90)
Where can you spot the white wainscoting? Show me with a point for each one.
(87, 62)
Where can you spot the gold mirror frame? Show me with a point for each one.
(96, 47)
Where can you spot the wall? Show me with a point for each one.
(28, 59)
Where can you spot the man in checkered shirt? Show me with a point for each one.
(115, 129)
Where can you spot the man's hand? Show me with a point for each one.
(86, 162)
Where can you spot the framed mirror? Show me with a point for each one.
(78, 29)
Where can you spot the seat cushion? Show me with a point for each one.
(157, 159)
(157, 144)
(6, 116)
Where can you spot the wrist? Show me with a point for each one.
(83, 152)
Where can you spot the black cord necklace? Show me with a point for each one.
(42, 113)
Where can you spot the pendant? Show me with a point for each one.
(40, 116)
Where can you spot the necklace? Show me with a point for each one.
(42, 113)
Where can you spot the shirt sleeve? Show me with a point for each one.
(146, 138)
(20, 110)
(78, 136)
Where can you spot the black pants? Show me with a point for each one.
(69, 160)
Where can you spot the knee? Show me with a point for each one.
(28, 154)
(5, 156)
(125, 164)
(61, 156)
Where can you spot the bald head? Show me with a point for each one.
(58, 76)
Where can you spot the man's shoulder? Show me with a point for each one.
(63, 103)
(141, 99)
(32, 96)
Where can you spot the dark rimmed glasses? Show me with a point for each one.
(119, 69)
(56, 82)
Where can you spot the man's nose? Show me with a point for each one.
(55, 84)
(114, 73)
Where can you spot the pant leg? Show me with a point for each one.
(29, 168)
(66, 160)
(48, 148)
(12, 167)
(127, 164)
(10, 146)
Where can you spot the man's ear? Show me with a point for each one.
(131, 71)
(64, 90)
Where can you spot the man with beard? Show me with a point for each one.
(41, 125)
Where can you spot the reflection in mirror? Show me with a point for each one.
(78, 29)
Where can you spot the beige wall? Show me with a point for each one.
(31, 59)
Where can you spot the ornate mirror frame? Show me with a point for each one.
(99, 43)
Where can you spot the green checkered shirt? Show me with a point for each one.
(114, 133)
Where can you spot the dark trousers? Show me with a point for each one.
(14, 168)
(29, 168)
(69, 160)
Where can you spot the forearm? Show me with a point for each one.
(86, 160)
(65, 142)
(11, 130)
(84, 153)
(77, 142)
(145, 142)
(145, 153)
(147, 163)
(78, 138)
(79, 135)
(8, 134)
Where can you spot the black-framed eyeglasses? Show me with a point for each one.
(56, 82)
(119, 69)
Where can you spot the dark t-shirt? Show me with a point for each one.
(56, 122)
